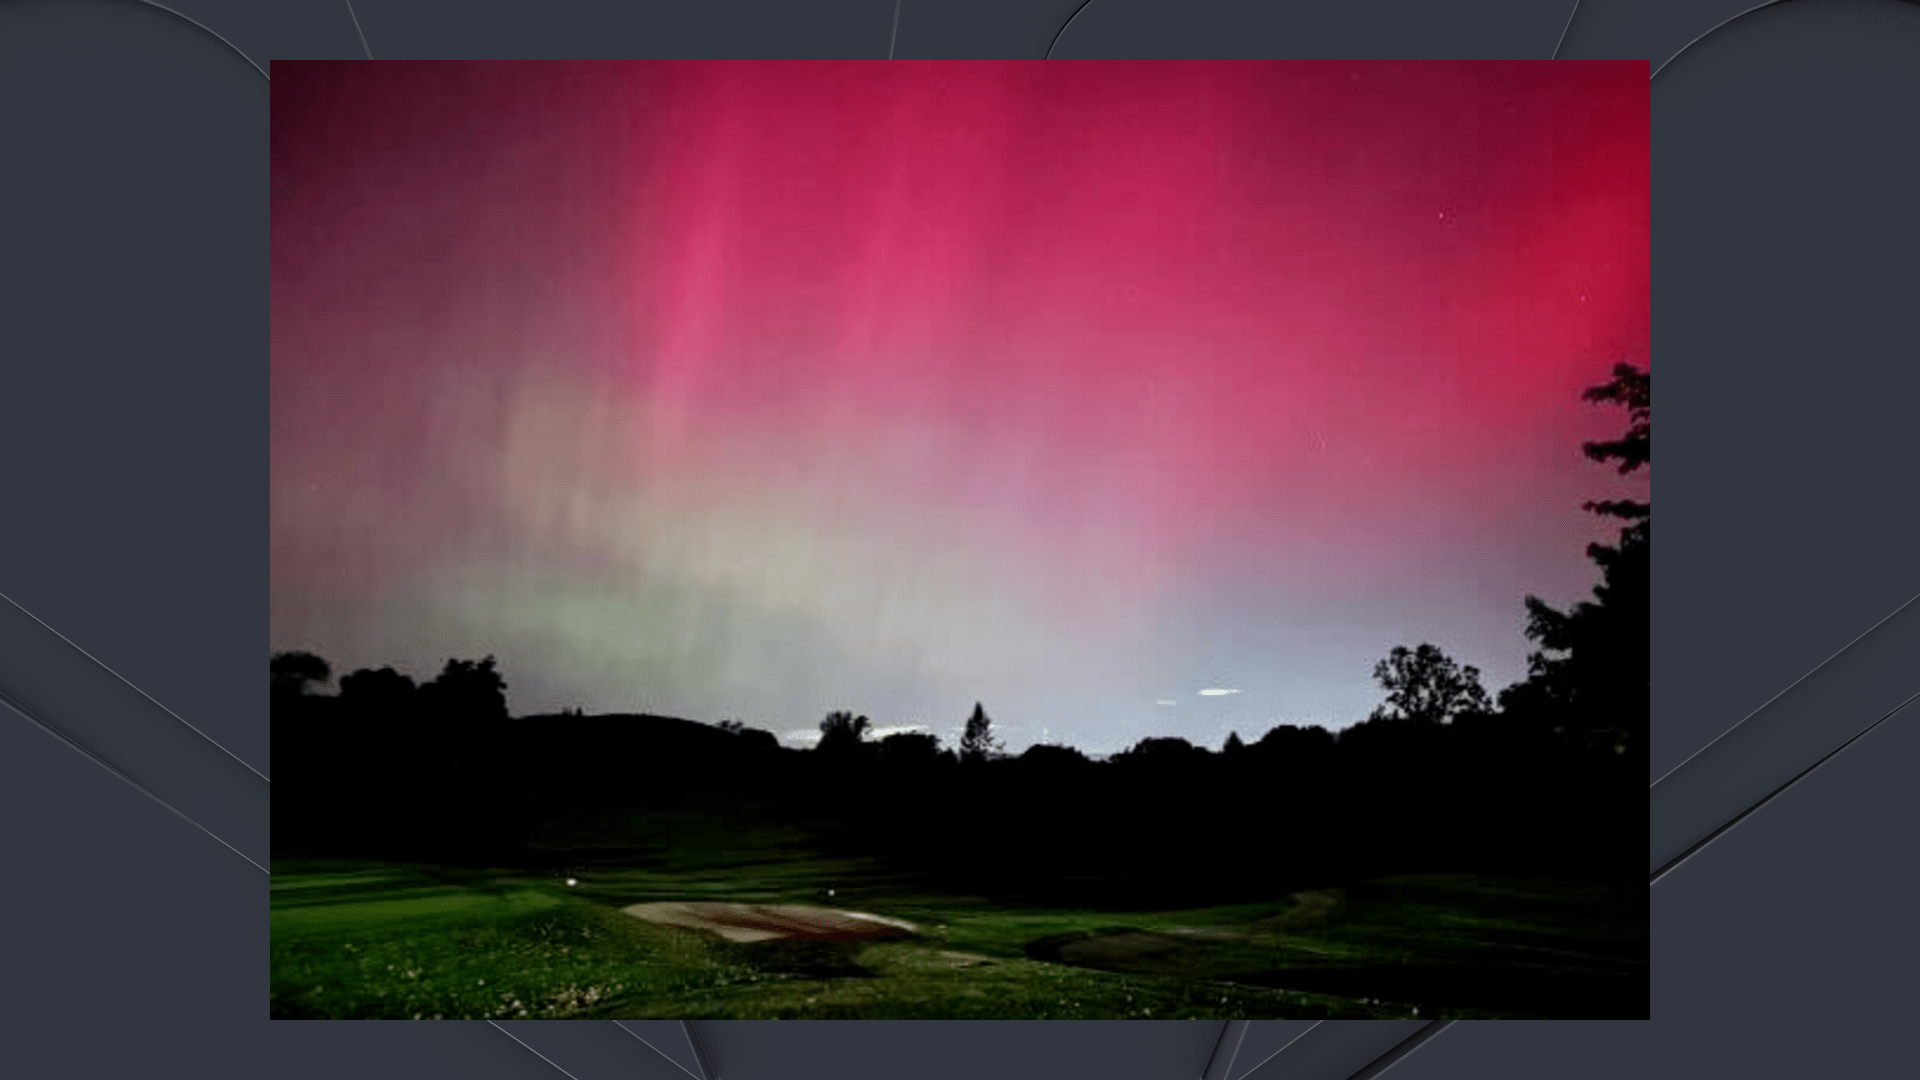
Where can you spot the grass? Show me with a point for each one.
(521, 953)
(406, 941)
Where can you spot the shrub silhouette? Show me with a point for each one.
(910, 750)
(292, 672)
(385, 691)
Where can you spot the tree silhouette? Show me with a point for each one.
(1293, 740)
(467, 691)
(1046, 755)
(842, 732)
(758, 739)
(910, 748)
(1162, 748)
(1592, 668)
(384, 689)
(977, 743)
(1233, 744)
(1425, 685)
(291, 672)
(1633, 388)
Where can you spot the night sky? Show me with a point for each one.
(756, 390)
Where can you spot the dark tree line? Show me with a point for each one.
(386, 763)
(1430, 782)
(1439, 777)
(438, 773)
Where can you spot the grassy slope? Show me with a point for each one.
(400, 941)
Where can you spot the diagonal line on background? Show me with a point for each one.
(1063, 28)
(1406, 1046)
(362, 33)
(1703, 37)
(1282, 1049)
(536, 1053)
(1771, 748)
(1233, 1055)
(654, 1048)
(1810, 674)
(1218, 1041)
(699, 1051)
(137, 690)
(1562, 43)
(215, 33)
(1674, 863)
(50, 729)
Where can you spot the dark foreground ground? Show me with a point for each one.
(394, 939)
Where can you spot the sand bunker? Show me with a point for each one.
(960, 959)
(764, 922)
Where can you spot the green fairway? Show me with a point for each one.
(383, 940)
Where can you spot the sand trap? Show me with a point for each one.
(764, 922)
(960, 959)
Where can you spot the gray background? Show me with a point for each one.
(133, 378)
